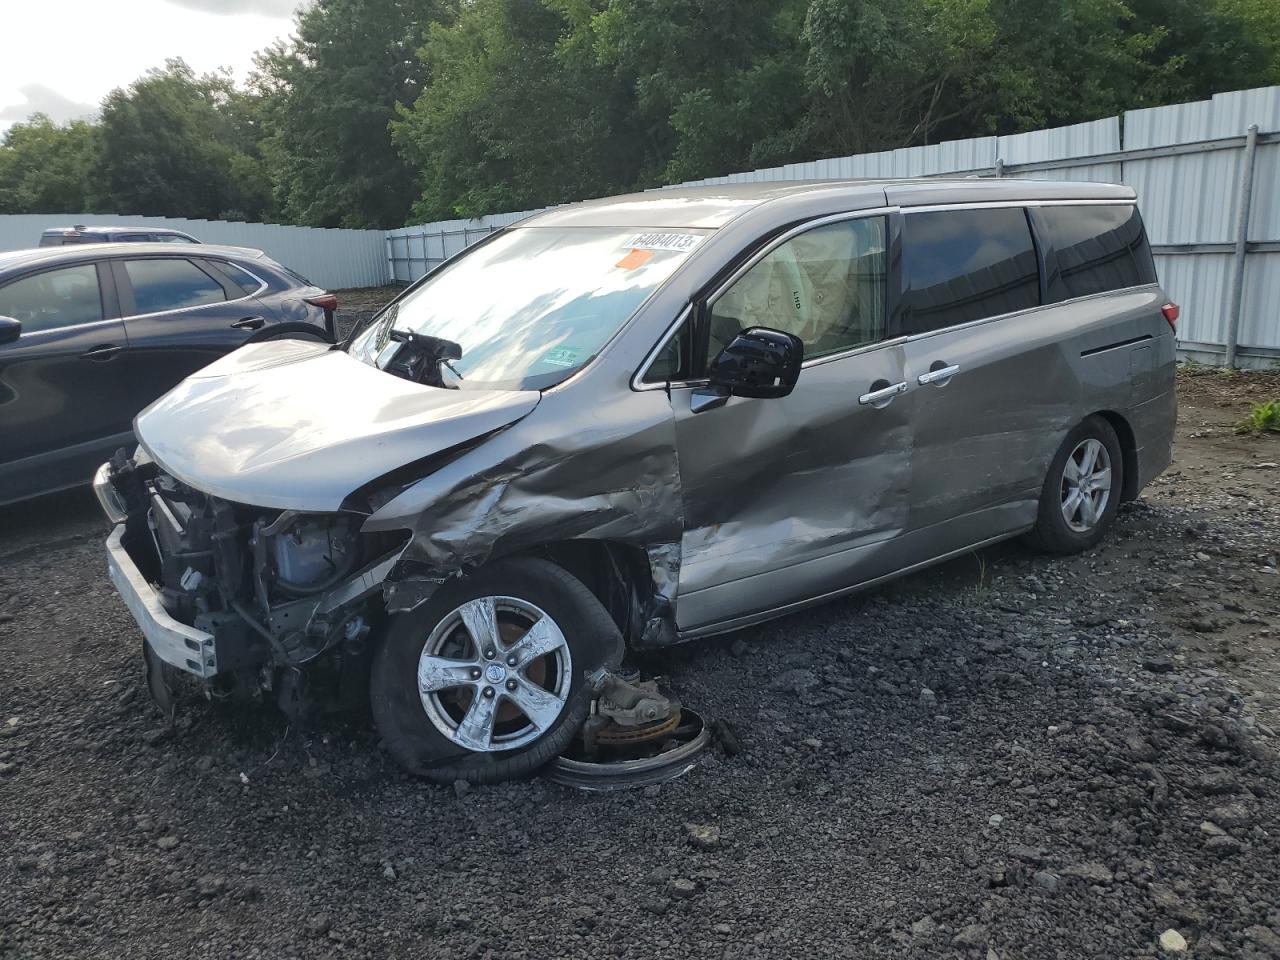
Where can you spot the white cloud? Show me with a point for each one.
(80, 50)
(271, 8)
(41, 99)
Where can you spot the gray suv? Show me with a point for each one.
(639, 421)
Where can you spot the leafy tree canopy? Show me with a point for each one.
(380, 111)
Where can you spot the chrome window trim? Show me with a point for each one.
(262, 285)
(637, 379)
(70, 326)
(1004, 204)
(912, 338)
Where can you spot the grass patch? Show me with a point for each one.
(1264, 417)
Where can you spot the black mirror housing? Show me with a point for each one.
(10, 330)
(759, 362)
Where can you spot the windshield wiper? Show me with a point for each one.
(420, 358)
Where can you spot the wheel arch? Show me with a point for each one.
(1128, 451)
(621, 577)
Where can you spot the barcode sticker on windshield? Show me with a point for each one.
(681, 242)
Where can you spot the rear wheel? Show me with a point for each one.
(486, 680)
(1082, 490)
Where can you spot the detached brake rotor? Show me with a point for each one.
(635, 736)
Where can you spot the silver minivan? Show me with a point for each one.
(638, 421)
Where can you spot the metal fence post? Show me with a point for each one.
(1242, 245)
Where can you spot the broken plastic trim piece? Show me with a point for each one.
(628, 774)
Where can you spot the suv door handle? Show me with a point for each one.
(939, 376)
(882, 397)
(104, 352)
(249, 323)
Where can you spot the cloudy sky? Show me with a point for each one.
(62, 56)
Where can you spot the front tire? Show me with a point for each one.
(486, 681)
(1082, 490)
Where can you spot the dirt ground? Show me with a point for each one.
(1010, 756)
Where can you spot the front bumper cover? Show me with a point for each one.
(173, 642)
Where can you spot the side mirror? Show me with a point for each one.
(759, 362)
(10, 330)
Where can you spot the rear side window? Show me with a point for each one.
(160, 285)
(53, 299)
(1094, 249)
(968, 264)
(239, 276)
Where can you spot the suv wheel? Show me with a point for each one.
(1082, 491)
(486, 680)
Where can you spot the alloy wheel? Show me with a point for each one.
(1086, 485)
(494, 674)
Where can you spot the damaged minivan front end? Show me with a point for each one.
(296, 517)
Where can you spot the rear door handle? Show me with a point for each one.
(104, 352)
(882, 397)
(249, 323)
(939, 376)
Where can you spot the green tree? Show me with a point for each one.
(718, 85)
(177, 144)
(47, 167)
(325, 99)
(517, 114)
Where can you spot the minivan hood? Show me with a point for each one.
(295, 425)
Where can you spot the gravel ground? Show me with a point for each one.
(1010, 756)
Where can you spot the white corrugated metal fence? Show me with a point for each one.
(1187, 163)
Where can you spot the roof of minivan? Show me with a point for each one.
(89, 251)
(712, 206)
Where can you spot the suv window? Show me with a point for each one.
(53, 299)
(968, 264)
(826, 286)
(239, 276)
(1096, 248)
(170, 284)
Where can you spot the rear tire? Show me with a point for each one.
(453, 679)
(1081, 491)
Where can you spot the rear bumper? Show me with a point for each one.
(173, 642)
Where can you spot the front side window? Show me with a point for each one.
(533, 304)
(53, 299)
(966, 265)
(1096, 248)
(160, 285)
(826, 286)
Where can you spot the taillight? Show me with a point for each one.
(1171, 313)
(327, 301)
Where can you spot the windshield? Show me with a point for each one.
(531, 305)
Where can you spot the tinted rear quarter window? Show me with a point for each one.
(239, 276)
(965, 265)
(1095, 248)
(170, 284)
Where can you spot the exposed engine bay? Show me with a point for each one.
(276, 589)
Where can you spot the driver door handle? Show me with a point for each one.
(104, 352)
(883, 396)
(249, 323)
